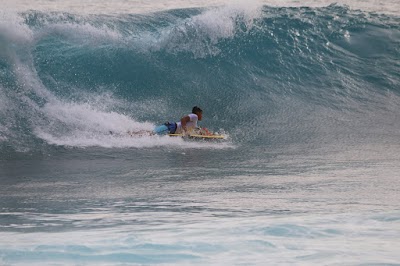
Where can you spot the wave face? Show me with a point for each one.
(264, 75)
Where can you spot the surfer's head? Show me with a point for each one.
(197, 110)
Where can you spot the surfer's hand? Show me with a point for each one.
(205, 131)
(184, 132)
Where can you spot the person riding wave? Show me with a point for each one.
(186, 125)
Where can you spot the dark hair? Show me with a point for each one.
(196, 109)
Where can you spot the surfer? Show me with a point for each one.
(186, 127)
(187, 124)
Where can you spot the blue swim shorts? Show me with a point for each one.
(167, 128)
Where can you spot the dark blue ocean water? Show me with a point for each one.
(308, 97)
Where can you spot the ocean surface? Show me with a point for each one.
(308, 94)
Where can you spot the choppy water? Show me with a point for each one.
(308, 96)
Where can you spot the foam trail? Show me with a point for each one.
(85, 125)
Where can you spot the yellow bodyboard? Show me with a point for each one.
(195, 136)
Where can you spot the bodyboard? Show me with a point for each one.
(195, 136)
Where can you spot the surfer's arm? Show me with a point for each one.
(184, 121)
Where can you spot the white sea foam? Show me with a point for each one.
(199, 34)
(302, 239)
(92, 33)
(14, 34)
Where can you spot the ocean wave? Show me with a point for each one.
(286, 73)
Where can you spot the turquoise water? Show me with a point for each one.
(308, 97)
